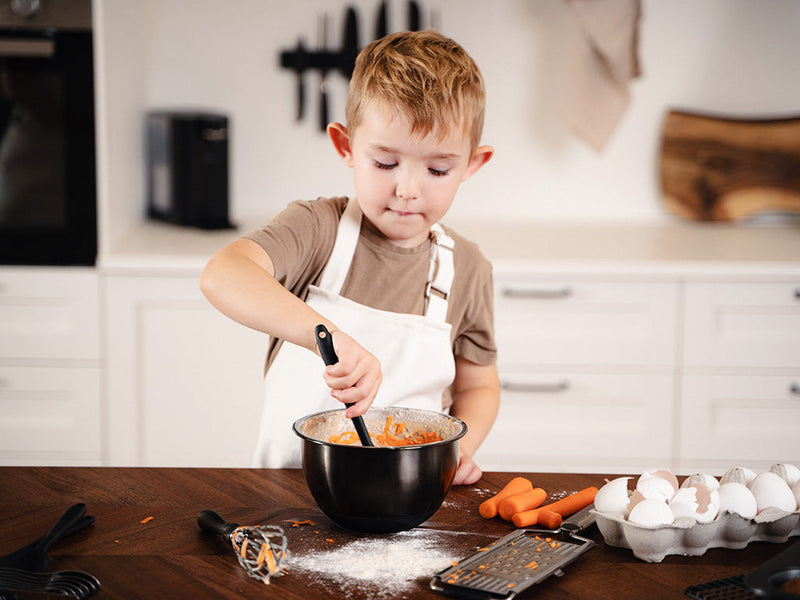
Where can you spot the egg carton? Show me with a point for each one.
(687, 537)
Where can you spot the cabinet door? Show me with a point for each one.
(742, 325)
(740, 420)
(584, 322)
(569, 421)
(49, 415)
(49, 313)
(184, 382)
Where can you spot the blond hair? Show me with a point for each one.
(424, 77)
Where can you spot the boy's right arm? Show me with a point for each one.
(239, 281)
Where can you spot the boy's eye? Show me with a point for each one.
(438, 172)
(386, 166)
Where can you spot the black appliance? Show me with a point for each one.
(48, 213)
(187, 154)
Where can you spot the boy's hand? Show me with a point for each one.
(356, 377)
(467, 472)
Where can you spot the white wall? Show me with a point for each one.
(731, 56)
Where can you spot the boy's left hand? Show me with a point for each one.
(467, 472)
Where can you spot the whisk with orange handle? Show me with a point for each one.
(260, 549)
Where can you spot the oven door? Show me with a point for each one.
(47, 149)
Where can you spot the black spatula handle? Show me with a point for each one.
(325, 345)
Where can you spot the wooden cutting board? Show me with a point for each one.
(715, 168)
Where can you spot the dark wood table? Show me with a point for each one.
(169, 557)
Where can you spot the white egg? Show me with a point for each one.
(770, 490)
(656, 487)
(738, 475)
(737, 498)
(789, 473)
(613, 497)
(684, 503)
(708, 480)
(651, 513)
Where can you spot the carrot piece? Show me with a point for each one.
(517, 503)
(517, 485)
(564, 507)
(549, 519)
(146, 520)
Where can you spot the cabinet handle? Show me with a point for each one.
(538, 388)
(794, 388)
(537, 293)
(797, 292)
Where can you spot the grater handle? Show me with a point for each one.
(581, 520)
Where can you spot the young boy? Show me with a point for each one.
(409, 306)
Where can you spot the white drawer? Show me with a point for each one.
(49, 416)
(49, 313)
(549, 322)
(742, 325)
(738, 420)
(567, 421)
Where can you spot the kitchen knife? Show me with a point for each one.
(323, 85)
(325, 345)
(297, 61)
(382, 25)
(413, 16)
(350, 47)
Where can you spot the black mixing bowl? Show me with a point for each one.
(379, 489)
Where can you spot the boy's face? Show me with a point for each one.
(404, 183)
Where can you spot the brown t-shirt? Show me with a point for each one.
(300, 240)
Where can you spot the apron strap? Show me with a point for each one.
(440, 274)
(336, 270)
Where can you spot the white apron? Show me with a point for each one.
(414, 351)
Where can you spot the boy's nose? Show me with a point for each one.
(407, 186)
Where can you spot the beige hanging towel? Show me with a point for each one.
(604, 62)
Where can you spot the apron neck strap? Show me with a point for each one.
(440, 274)
(440, 271)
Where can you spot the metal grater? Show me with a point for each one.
(515, 562)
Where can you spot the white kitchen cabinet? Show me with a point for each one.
(581, 421)
(752, 324)
(740, 396)
(184, 382)
(50, 398)
(740, 420)
(49, 415)
(587, 373)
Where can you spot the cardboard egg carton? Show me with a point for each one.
(687, 537)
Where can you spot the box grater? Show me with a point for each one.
(516, 562)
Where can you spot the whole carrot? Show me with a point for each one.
(565, 507)
(518, 503)
(489, 507)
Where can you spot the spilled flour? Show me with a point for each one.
(386, 565)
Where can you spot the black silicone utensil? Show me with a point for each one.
(325, 345)
(33, 557)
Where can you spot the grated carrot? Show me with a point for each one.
(400, 436)
(146, 520)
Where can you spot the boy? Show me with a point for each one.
(409, 306)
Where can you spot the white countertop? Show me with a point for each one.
(674, 247)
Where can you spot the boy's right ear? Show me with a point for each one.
(340, 139)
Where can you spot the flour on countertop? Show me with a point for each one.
(387, 564)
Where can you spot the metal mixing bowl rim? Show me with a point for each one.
(462, 432)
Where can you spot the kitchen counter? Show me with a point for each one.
(671, 248)
(169, 557)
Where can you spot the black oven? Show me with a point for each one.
(48, 213)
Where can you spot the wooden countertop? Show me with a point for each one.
(169, 557)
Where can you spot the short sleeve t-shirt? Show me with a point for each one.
(300, 240)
